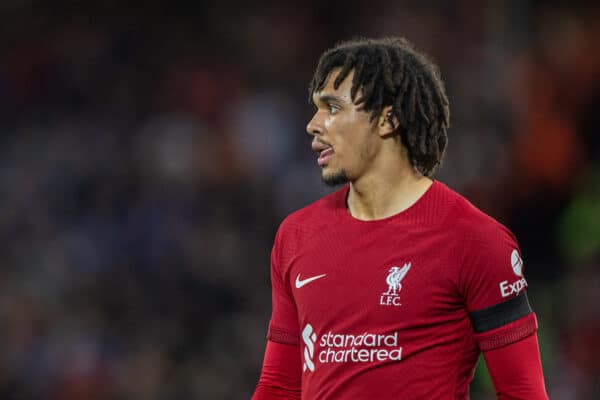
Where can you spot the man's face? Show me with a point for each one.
(344, 139)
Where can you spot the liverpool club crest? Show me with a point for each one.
(391, 297)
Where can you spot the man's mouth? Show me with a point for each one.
(324, 156)
(324, 151)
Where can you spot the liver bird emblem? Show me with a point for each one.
(395, 276)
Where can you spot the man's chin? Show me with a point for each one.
(334, 178)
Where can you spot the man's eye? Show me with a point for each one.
(333, 109)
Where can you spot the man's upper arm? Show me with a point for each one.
(283, 327)
(493, 286)
(281, 375)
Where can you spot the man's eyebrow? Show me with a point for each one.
(327, 98)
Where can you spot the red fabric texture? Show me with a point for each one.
(516, 370)
(361, 334)
(507, 334)
(281, 377)
(282, 336)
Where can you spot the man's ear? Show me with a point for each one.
(387, 123)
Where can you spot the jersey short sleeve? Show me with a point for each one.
(283, 327)
(493, 286)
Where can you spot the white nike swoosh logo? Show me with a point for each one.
(300, 283)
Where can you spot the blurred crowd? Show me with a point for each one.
(148, 156)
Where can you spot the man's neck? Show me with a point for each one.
(384, 195)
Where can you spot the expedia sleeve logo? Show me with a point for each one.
(347, 348)
(507, 288)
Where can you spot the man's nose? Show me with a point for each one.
(314, 127)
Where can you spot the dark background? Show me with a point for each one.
(148, 154)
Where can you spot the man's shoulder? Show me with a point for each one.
(320, 211)
(302, 225)
(472, 222)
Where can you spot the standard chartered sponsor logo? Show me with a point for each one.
(337, 348)
(366, 347)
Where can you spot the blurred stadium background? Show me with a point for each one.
(148, 154)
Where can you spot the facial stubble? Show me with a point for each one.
(335, 179)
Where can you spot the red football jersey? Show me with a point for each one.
(397, 308)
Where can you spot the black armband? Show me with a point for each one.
(500, 314)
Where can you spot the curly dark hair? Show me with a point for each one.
(391, 72)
